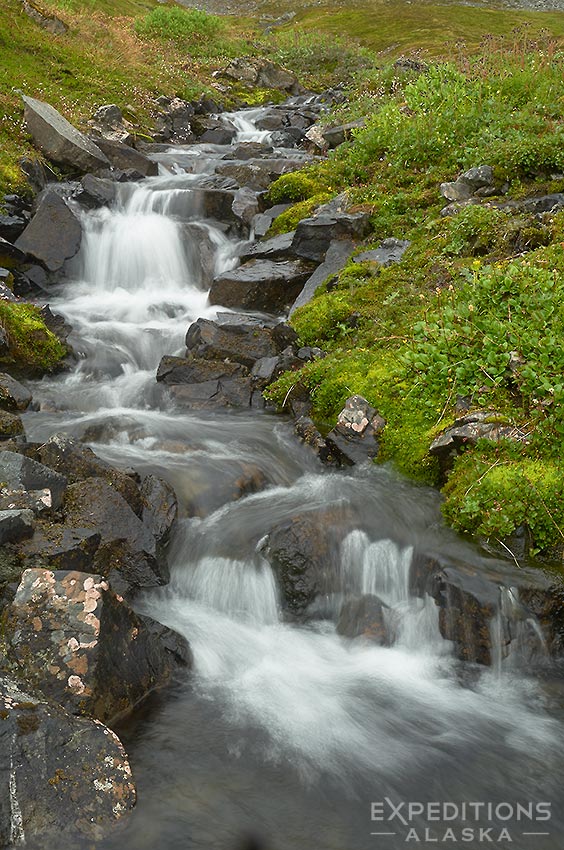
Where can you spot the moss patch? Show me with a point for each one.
(33, 348)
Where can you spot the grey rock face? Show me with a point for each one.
(261, 285)
(54, 233)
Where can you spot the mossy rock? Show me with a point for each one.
(33, 349)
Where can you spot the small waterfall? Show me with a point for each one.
(379, 569)
(516, 635)
(244, 123)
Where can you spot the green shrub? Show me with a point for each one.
(192, 29)
(475, 230)
(318, 58)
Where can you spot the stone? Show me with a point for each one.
(59, 140)
(389, 252)
(19, 473)
(245, 204)
(16, 525)
(10, 425)
(95, 192)
(316, 140)
(214, 131)
(364, 617)
(335, 136)
(11, 257)
(12, 226)
(262, 221)
(476, 180)
(314, 235)
(215, 486)
(56, 324)
(277, 248)
(261, 72)
(125, 157)
(265, 285)
(79, 643)
(161, 508)
(220, 392)
(355, 436)
(50, 23)
(61, 548)
(239, 341)
(546, 203)
(127, 553)
(69, 795)
(307, 433)
(338, 254)
(13, 395)
(214, 203)
(107, 122)
(465, 432)
(54, 233)
(174, 123)
(196, 370)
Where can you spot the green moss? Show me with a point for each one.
(33, 348)
(297, 186)
(290, 218)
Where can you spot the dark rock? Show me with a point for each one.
(335, 136)
(10, 425)
(240, 342)
(35, 281)
(306, 431)
(196, 370)
(13, 395)
(270, 121)
(245, 204)
(261, 285)
(221, 483)
(50, 23)
(67, 780)
(107, 122)
(364, 617)
(476, 180)
(546, 203)
(95, 192)
(60, 548)
(262, 222)
(465, 432)
(10, 256)
(249, 150)
(16, 525)
(261, 72)
(124, 157)
(303, 552)
(56, 324)
(82, 645)
(389, 251)
(314, 235)
(18, 472)
(127, 551)
(279, 247)
(214, 203)
(174, 123)
(54, 233)
(338, 254)
(235, 391)
(161, 507)
(214, 131)
(60, 141)
(12, 226)
(357, 430)
(78, 462)
(38, 174)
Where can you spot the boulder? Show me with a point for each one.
(127, 551)
(10, 425)
(355, 436)
(95, 192)
(60, 548)
(174, 122)
(214, 131)
(12, 226)
(83, 646)
(161, 508)
(237, 340)
(307, 433)
(465, 432)
(476, 181)
(19, 473)
(54, 233)
(59, 140)
(11, 257)
(277, 248)
(261, 72)
(126, 158)
(50, 23)
(196, 370)
(16, 525)
(13, 395)
(335, 136)
(265, 285)
(221, 391)
(364, 617)
(107, 122)
(262, 221)
(66, 779)
(338, 254)
(245, 204)
(389, 252)
(545, 203)
(314, 235)
(214, 203)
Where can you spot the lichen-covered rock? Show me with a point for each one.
(60, 548)
(357, 430)
(305, 430)
(475, 181)
(62, 777)
(10, 425)
(83, 646)
(16, 525)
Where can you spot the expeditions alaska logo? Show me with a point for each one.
(480, 823)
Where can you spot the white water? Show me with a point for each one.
(373, 719)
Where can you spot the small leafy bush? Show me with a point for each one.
(192, 29)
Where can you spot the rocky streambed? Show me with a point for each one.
(279, 631)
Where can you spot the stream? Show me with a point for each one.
(285, 733)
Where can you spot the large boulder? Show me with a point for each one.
(65, 779)
(20, 473)
(238, 340)
(314, 235)
(81, 645)
(59, 140)
(201, 383)
(127, 553)
(108, 123)
(267, 285)
(276, 248)
(54, 233)
(126, 158)
(338, 254)
(60, 548)
(261, 72)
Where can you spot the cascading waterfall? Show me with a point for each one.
(279, 716)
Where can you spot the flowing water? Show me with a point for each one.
(285, 733)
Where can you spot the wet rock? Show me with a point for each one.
(127, 551)
(261, 285)
(261, 72)
(465, 432)
(303, 552)
(12, 226)
(364, 617)
(262, 222)
(83, 646)
(239, 341)
(214, 131)
(60, 548)
(50, 23)
(277, 248)
(327, 453)
(355, 436)
(249, 150)
(77, 462)
(67, 794)
(214, 203)
(338, 254)
(19, 473)
(196, 370)
(126, 158)
(174, 122)
(220, 392)
(478, 180)
(245, 204)
(221, 482)
(389, 251)
(54, 233)
(161, 507)
(335, 136)
(10, 425)
(16, 525)
(59, 140)
(13, 395)
(314, 235)
(11, 257)
(95, 192)
(56, 324)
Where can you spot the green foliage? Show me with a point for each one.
(190, 29)
(33, 348)
(296, 186)
(289, 219)
(475, 230)
(319, 59)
